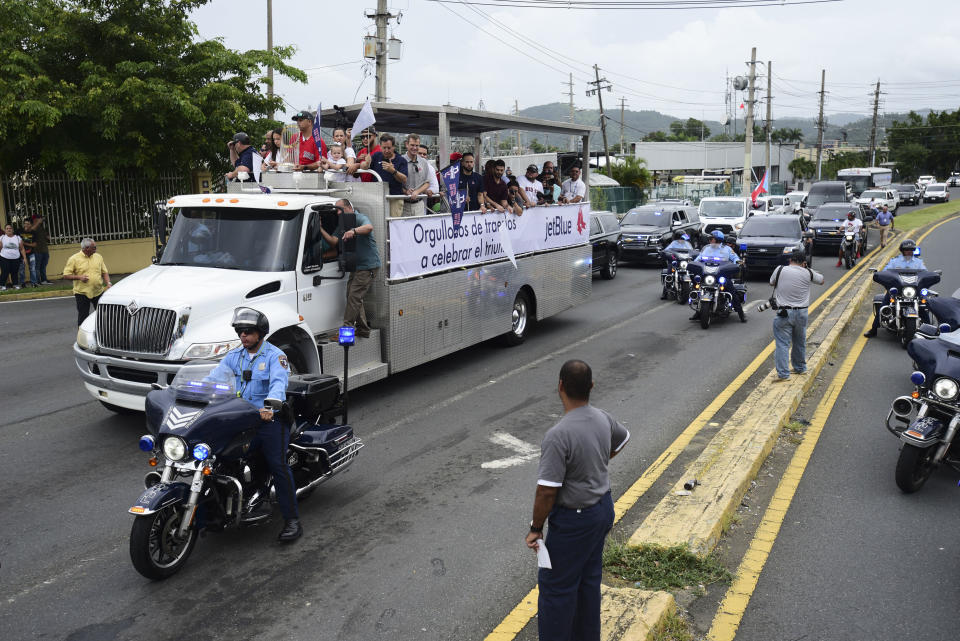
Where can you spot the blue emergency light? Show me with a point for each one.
(347, 335)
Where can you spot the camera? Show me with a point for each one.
(770, 303)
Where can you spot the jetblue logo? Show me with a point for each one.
(178, 420)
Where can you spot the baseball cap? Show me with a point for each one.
(241, 138)
(455, 156)
(533, 168)
(301, 115)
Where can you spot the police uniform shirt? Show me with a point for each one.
(574, 455)
(269, 373)
(899, 262)
(721, 252)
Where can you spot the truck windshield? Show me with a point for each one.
(655, 217)
(784, 226)
(232, 238)
(721, 209)
(874, 194)
(857, 183)
(832, 213)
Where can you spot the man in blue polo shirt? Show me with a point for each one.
(242, 156)
(472, 183)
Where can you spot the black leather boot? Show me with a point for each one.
(292, 530)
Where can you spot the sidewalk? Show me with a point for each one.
(59, 287)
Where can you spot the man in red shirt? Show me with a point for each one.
(309, 156)
(370, 146)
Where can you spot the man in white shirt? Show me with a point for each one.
(573, 190)
(852, 225)
(418, 177)
(530, 188)
(434, 187)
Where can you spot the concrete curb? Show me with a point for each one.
(53, 293)
(732, 458)
(628, 614)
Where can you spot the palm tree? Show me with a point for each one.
(632, 173)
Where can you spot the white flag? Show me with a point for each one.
(257, 166)
(364, 118)
(505, 239)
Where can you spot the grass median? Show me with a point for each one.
(921, 217)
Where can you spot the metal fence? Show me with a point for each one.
(615, 199)
(103, 209)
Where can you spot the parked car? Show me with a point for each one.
(649, 228)
(826, 223)
(726, 213)
(909, 194)
(826, 191)
(923, 181)
(880, 197)
(767, 241)
(936, 192)
(607, 241)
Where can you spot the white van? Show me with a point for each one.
(726, 213)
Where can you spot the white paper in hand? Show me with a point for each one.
(543, 557)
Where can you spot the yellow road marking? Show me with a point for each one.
(515, 621)
(735, 602)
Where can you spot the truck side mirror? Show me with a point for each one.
(348, 252)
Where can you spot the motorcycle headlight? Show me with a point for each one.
(738, 226)
(945, 388)
(683, 264)
(174, 448)
(909, 292)
(709, 280)
(210, 350)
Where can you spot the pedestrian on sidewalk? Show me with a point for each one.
(791, 289)
(573, 496)
(12, 255)
(89, 275)
(884, 220)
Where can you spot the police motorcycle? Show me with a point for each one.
(675, 277)
(905, 301)
(947, 310)
(848, 248)
(204, 477)
(926, 421)
(714, 286)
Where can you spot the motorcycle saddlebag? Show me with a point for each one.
(311, 394)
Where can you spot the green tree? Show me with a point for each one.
(631, 172)
(537, 147)
(925, 146)
(787, 135)
(802, 168)
(655, 136)
(98, 86)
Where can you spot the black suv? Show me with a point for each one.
(768, 241)
(826, 223)
(650, 228)
(909, 194)
(607, 243)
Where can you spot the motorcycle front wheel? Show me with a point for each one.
(683, 296)
(156, 550)
(914, 467)
(909, 330)
(705, 316)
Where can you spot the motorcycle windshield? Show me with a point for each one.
(938, 357)
(901, 277)
(199, 381)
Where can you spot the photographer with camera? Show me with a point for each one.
(791, 297)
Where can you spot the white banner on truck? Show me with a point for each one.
(428, 244)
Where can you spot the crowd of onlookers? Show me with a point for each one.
(24, 253)
(413, 181)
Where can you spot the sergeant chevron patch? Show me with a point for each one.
(179, 420)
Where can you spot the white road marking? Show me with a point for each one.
(525, 451)
(32, 300)
(427, 411)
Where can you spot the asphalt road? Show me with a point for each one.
(856, 558)
(415, 541)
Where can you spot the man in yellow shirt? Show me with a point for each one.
(89, 275)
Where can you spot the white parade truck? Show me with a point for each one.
(438, 290)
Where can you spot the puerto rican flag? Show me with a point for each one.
(762, 188)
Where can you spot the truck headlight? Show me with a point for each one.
(210, 350)
(87, 340)
(738, 226)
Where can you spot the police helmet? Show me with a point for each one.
(678, 235)
(241, 138)
(908, 245)
(716, 233)
(730, 240)
(685, 236)
(249, 318)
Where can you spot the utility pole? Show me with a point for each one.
(748, 131)
(623, 102)
(598, 88)
(516, 112)
(873, 128)
(766, 162)
(569, 94)
(823, 86)
(382, 17)
(270, 48)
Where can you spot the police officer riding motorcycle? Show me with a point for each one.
(850, 244)
(904, 304)
(715, 273)
(223, 437)
(674, 276)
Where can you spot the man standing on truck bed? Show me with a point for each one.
(309, 154)
(368, 264)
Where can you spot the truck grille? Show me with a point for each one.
(148, 331)
(726, 229)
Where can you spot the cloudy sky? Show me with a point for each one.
(675, 62)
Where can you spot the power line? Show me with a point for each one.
(653, 5)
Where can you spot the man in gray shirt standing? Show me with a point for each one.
(573, 495)
(792, 291)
